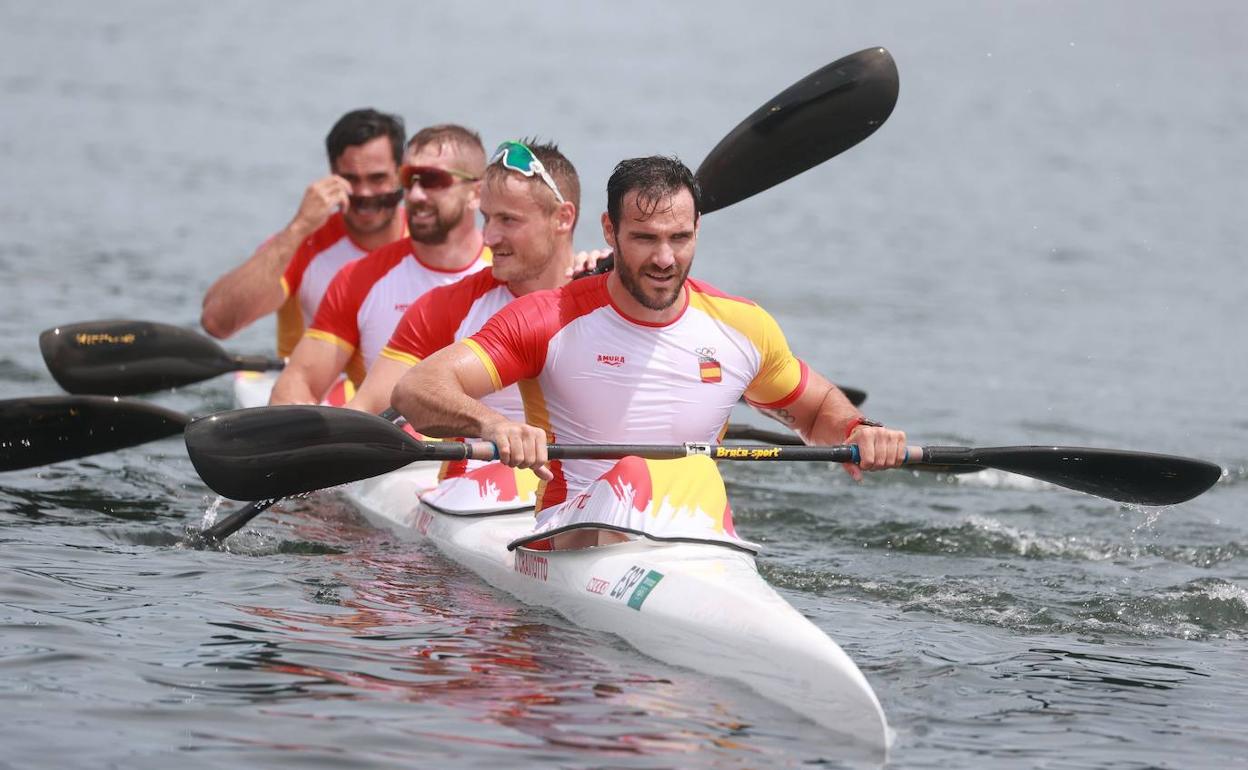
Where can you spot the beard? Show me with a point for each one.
(661, 299)
(436, 231)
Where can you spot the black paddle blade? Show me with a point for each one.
(820, 116)
(1129, 477)
(44, 430)
(121, 358)
(855, 395)
(278, 451)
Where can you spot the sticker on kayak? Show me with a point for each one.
(531, 565)
(640, 582)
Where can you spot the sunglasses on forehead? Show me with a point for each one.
(431, 177)
(517, 156)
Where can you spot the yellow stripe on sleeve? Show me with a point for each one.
(485, 359)
(400, 356)
(333, 339)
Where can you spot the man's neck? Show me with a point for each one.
(639, 312)
(552, 277)
(461, 247)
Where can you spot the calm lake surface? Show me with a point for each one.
(1045, 244)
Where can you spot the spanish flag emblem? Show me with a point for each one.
(710, 371)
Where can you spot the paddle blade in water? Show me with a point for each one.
(820, 116)
(44, 430)
(278, 451)
(123, 357)
(1129, 477)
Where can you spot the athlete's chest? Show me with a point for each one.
(320, 272)
(695, 357)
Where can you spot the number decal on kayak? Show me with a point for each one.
(627, 581)
(639, 581)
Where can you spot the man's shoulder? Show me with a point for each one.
(325, 236)
(740, 313)
(714, 294)
(552, 309)
(376, 263)
(466, 290)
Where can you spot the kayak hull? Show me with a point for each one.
(698, 605)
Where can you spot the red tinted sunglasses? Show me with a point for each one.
(432, 178)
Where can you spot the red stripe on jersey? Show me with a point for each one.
(516, 337)
(431, 322)
(334, 230)
(801, 388)
(339, 309)
(554, 491)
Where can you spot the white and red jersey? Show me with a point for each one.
(590, 374)
(321, 255)
(448, 314)
(366, 299)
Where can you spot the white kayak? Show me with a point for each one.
(693, 604)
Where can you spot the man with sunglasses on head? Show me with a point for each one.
(342, 217)
(530, 203)
(441, 172)
(642, 355)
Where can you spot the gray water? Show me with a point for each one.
(1044, 244)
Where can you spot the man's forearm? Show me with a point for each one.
(435, 404)
(253, 289)
(819, 415)
(292, 388)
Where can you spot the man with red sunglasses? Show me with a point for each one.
(442, 168)
(342, 217)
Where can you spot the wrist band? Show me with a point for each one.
(860, 420)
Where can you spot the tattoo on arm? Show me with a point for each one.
(783, 416)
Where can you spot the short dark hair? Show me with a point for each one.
(361, 126)
(556, 164)
(652, 178)
(465, 141)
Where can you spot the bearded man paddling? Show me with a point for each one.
(642, 355)
(441, 173)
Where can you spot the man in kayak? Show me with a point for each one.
(342, 217)
(530, 202)
(441, 173)
(642, 355)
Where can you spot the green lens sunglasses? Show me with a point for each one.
(518, 157)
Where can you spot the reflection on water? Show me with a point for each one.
(406, 627)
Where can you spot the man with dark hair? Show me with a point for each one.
(441, 174)
(341, 217)
(642, 355)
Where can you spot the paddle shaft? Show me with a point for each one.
(237, 520)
